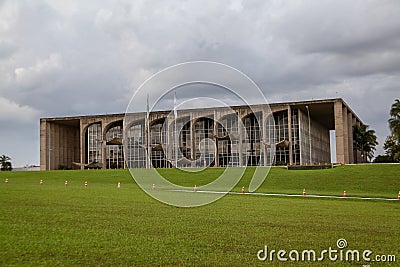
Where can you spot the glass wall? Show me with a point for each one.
(251, 140)
(185, 147)
(114, 147)
(158, 141)
(282, 134)
(204, 136)
(228, 141)
(137, 145)
(93, 143)
(295, 137)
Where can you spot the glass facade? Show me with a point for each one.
(185, 147)
(93, 143)
(251, 140)
(136, 154)
(282, 140)
(295, 137)
(158, 141)
(204, 142)
(228, 141)
(114, 147)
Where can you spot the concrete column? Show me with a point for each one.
(350, 134)
(240, 143)
(148, 143)
(289, 111)
(82, 144)
(54, 145)
(216, 154)
(354, 153)
(43, 145)
(264, 137)
(103, 146)
(170, 141)
(338, 110)
(61, 154)
(345, 136)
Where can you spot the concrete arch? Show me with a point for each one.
(157, 121)
(84, 129)
(108, 126)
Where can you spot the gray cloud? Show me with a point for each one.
(71, 57)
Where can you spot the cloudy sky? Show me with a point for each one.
(60, 58)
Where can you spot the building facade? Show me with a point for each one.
(237, 136)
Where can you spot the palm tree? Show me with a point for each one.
(394, 121)
(5, 163)
(364, 141)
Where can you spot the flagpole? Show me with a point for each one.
(176, 135)
(148, 162)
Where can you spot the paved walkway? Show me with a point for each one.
(288, 195)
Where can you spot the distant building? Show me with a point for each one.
(207, 137)
(27, 169)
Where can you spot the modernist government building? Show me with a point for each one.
(216, 137)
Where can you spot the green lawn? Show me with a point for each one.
(102, 225)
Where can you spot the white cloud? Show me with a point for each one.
(42, 67)
(11, 111)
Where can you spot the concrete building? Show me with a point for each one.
(235, 136)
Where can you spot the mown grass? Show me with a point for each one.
(361, 180)
(102, 225)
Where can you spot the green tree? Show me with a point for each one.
(5, 163)
(392, 147)
(394, 121)
(392, 142)
(364, 141)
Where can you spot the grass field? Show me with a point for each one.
(102, 225)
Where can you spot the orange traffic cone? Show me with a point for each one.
(195, 188)
(304, 192)
(242, 189)
(344, 194)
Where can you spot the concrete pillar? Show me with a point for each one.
(43, 145)
(103, 146)
(338, 111)
(289, 111)
(240, 143)
(216, 154)
(52, 144)
(350, 134)
(345, 136)
(353, 152)
(61, 155)
(82, 144)
(264, 137)
(170, 139)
